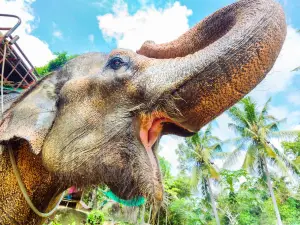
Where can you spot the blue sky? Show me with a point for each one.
(76, 19)
(79, 26)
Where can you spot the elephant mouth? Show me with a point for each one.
(158, 123)
(151, 128)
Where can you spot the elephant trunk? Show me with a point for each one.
(217, 62)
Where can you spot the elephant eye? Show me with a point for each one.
(116, 63)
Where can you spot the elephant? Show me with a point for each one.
(99, 119)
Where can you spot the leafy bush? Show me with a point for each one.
(55, 221)
(96, 217)
(60, 60)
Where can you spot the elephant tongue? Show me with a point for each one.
(151, 131)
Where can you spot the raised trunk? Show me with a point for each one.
(41, 187)
(218, 61)
(213, 204)
(279, 222)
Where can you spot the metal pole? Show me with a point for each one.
(2, 81)
(14, 27)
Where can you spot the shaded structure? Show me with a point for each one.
(16, 71)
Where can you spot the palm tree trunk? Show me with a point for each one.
(279, 222)
(213, 204)
(166, 216)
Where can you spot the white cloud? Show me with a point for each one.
(294, 98)
(280, 112)
(294, 118)
(222, 131)
(148, 23)
(36, 50)
(58, 34)
(91, 38)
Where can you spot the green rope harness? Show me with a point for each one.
(136, 201)
(23, 189)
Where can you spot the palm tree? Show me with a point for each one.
(196, 156)
(255, 129)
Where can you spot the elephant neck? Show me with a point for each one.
(40, 184)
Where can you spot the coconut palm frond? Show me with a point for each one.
(294, 168)
(214, 174)
(236, 128)
(207, 131)
(232, 157)
(221, 155)
(214, 139)
(281, 165)
(194, 140)
(249, 133)
(284, 135)
(196, 177)
(265, 109)
(238, 116)
(270, 118)
(216, 148)
(274, 125)
(241, 141)
(269, 151)
(297, 68)
(250, 109)
(250, 158)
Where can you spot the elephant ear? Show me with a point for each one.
(31, 116)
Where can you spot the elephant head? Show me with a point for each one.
(99, 119)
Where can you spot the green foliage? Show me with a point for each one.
(196, 156)
(293, 147)
(60, 60)
(55, 221)
(184, 211)
(165, 167)
(255, 129)
(96, 217)
(290, 211)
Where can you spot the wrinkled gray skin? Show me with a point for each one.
(85, 120)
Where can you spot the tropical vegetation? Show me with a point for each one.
(61, 59)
